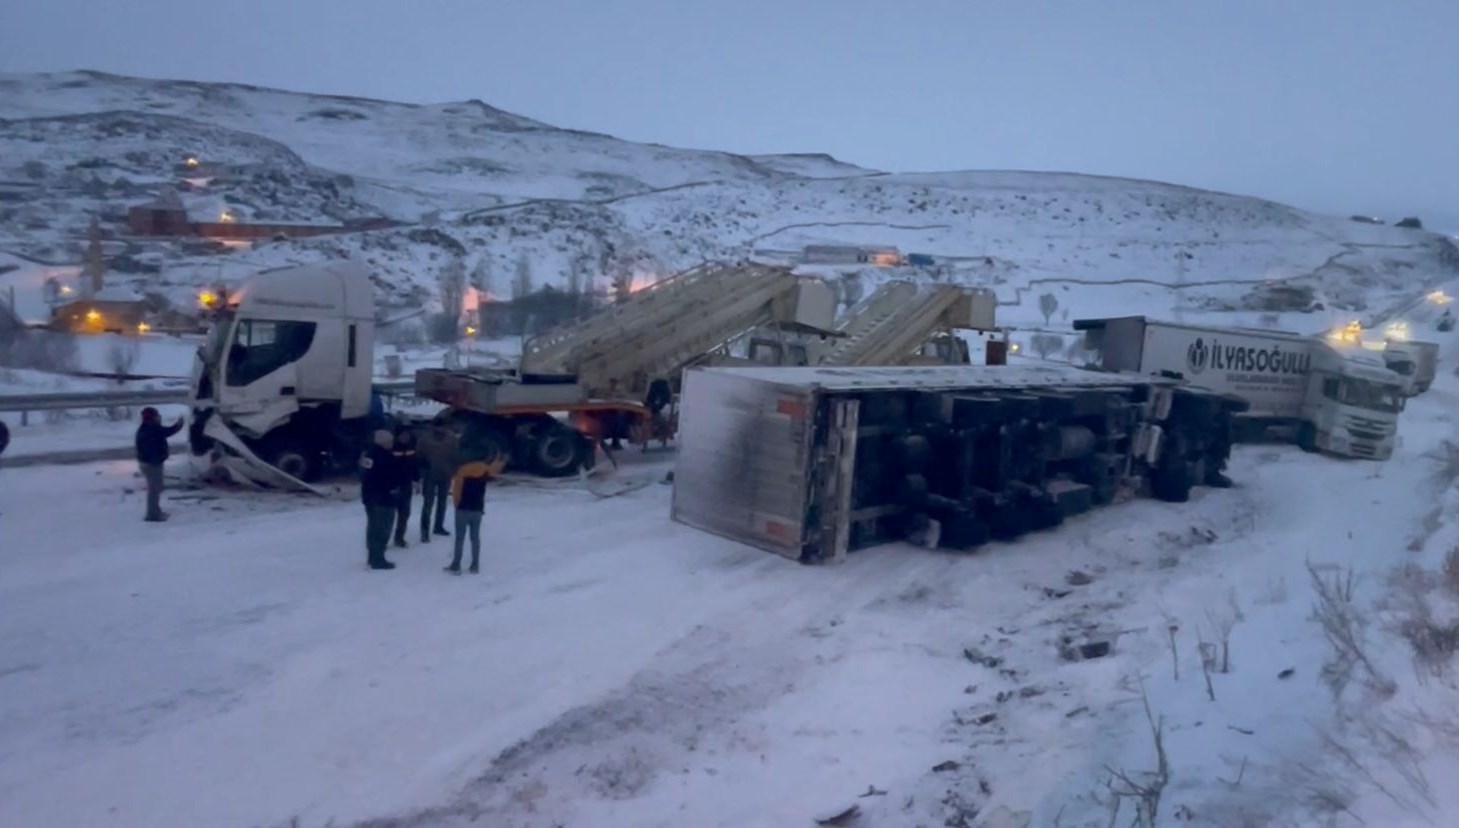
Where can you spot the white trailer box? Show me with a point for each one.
(1268, 369)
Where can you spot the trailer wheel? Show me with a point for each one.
(558, 451)
(1307, 437)
(486, 445)
(1172, 482)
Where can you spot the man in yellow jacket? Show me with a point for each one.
(468, 493)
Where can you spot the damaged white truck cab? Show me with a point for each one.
(286, 369)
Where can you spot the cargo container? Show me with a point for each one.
(1328, 394)
(812, 463)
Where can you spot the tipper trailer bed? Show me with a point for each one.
(812, 463)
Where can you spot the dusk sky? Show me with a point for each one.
(1343, 106)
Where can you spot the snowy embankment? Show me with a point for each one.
(611, 668)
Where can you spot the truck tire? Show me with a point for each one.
(558, 451)
(1172, 482)
(1307, 437)
(295, 457)
(486, 445)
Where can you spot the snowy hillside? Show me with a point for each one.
(494, 188)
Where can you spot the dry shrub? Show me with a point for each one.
(1451, 572)
(1345, 627)
(1433, 639)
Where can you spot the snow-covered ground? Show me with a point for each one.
(239, 666)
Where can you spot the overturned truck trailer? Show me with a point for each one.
(812, 463)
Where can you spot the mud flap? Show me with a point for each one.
(238, 462)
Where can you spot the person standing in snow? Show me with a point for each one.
(406, 461)
(380, 477)
(468, 492)
(438, 451)
(152, 453)
(4, 436)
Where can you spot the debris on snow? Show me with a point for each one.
(976, 656)
(844, 816)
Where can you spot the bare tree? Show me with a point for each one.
(1145, 789)
(452, 282)
(482, 277)
(579, 282)
(123, 357)
(1345, 629)
(522, 278)
(622, 280)
(1048, 304)
(1044, 344)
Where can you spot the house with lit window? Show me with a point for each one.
(113, 309)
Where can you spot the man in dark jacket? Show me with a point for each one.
(380, 476)
(437, 449)
(152, 453)
(407, 462)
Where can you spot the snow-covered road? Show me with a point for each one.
(239, 666)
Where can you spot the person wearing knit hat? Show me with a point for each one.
(152, 452)
(380, 478)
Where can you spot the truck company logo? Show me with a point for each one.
(1196, 356)
(1246, 358)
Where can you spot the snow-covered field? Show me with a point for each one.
(239, 666)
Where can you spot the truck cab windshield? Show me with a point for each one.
(262, 346)
(1364, 394)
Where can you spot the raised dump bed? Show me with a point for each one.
(812, 463)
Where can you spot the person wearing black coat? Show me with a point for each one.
(380, 478)
(152, 453)
(408, 463)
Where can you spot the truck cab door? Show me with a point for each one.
(261, 372)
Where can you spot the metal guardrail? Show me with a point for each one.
(115, 398)
(56, 401)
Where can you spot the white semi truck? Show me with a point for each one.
(283, 391)
(1330, 393)
(1416, 361)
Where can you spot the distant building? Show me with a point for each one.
(162, 216)
(833, 254)
(884, 257)
(166, 216)
(851, 254)
(111, 310)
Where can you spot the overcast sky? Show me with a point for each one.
(1343, 106)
